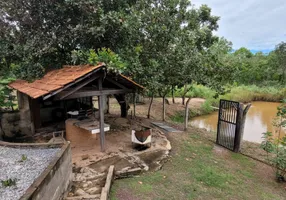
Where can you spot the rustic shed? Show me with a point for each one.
(60, 92)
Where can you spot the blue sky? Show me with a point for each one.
(255, 24)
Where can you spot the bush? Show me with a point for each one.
(276, 147)
(197, 91)
(254, 93)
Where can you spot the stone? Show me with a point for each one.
(85, 157)
(80, 192)
(94, 190)
(87, 184)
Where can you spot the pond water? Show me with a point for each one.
(259, 120)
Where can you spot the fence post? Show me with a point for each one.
(218, 122)
(241, 116)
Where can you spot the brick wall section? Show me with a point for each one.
(54, 181)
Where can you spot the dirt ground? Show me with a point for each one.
(118, 141)
(156, 111)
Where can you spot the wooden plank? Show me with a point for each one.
(101, 117)
(97, 196)
(91, 93)
(115, 83)
(64, 94)
(106, 188)
(134, 104)
(109, 178)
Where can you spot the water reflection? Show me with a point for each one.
(259, 119)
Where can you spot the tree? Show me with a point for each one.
(214, 70)
(6, 97)
(280, 51)
(46, 32)
(162, 37)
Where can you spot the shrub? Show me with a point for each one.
(23, 158)
(276, 147)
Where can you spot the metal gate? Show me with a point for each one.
(227, 129)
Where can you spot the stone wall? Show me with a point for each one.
(17, 122)
(53, 183)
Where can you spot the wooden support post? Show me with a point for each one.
(101, 117)
(164, 109)
(187, 115)
(106, 189)
(134, 104)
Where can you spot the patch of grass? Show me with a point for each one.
(254, 93)
(210, 176)
(196, 171)
(242, 93)
(243, 160)
(9, 182)
(178, 117)
(24, 157)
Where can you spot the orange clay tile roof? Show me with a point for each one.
(57, 79)
(53, 80)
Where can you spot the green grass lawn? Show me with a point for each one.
(197, 170)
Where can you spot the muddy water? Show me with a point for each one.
(259, 120)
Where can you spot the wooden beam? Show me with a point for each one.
(116, 83)
(70, 84)
(65, 94)
(134, 104)
(101, 116)
(91, 93)
(105, 190)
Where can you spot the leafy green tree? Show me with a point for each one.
(46, 32)
(111, 59)
(7, 99)
(162, 38)
(280, 51)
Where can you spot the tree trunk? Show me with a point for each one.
(150, 106)
(183, 99)
(240, 126)
(164, 109)
(123, 104)
(173, 98)
(186, 114)
(245, 111)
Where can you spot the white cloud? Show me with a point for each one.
(255, 24)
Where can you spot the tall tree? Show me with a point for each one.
(162, 36)
(280, 51)
(46, 32)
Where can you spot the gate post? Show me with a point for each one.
(237, 138)
(218, 122)
(241, 116)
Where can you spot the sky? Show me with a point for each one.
(255, 24)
